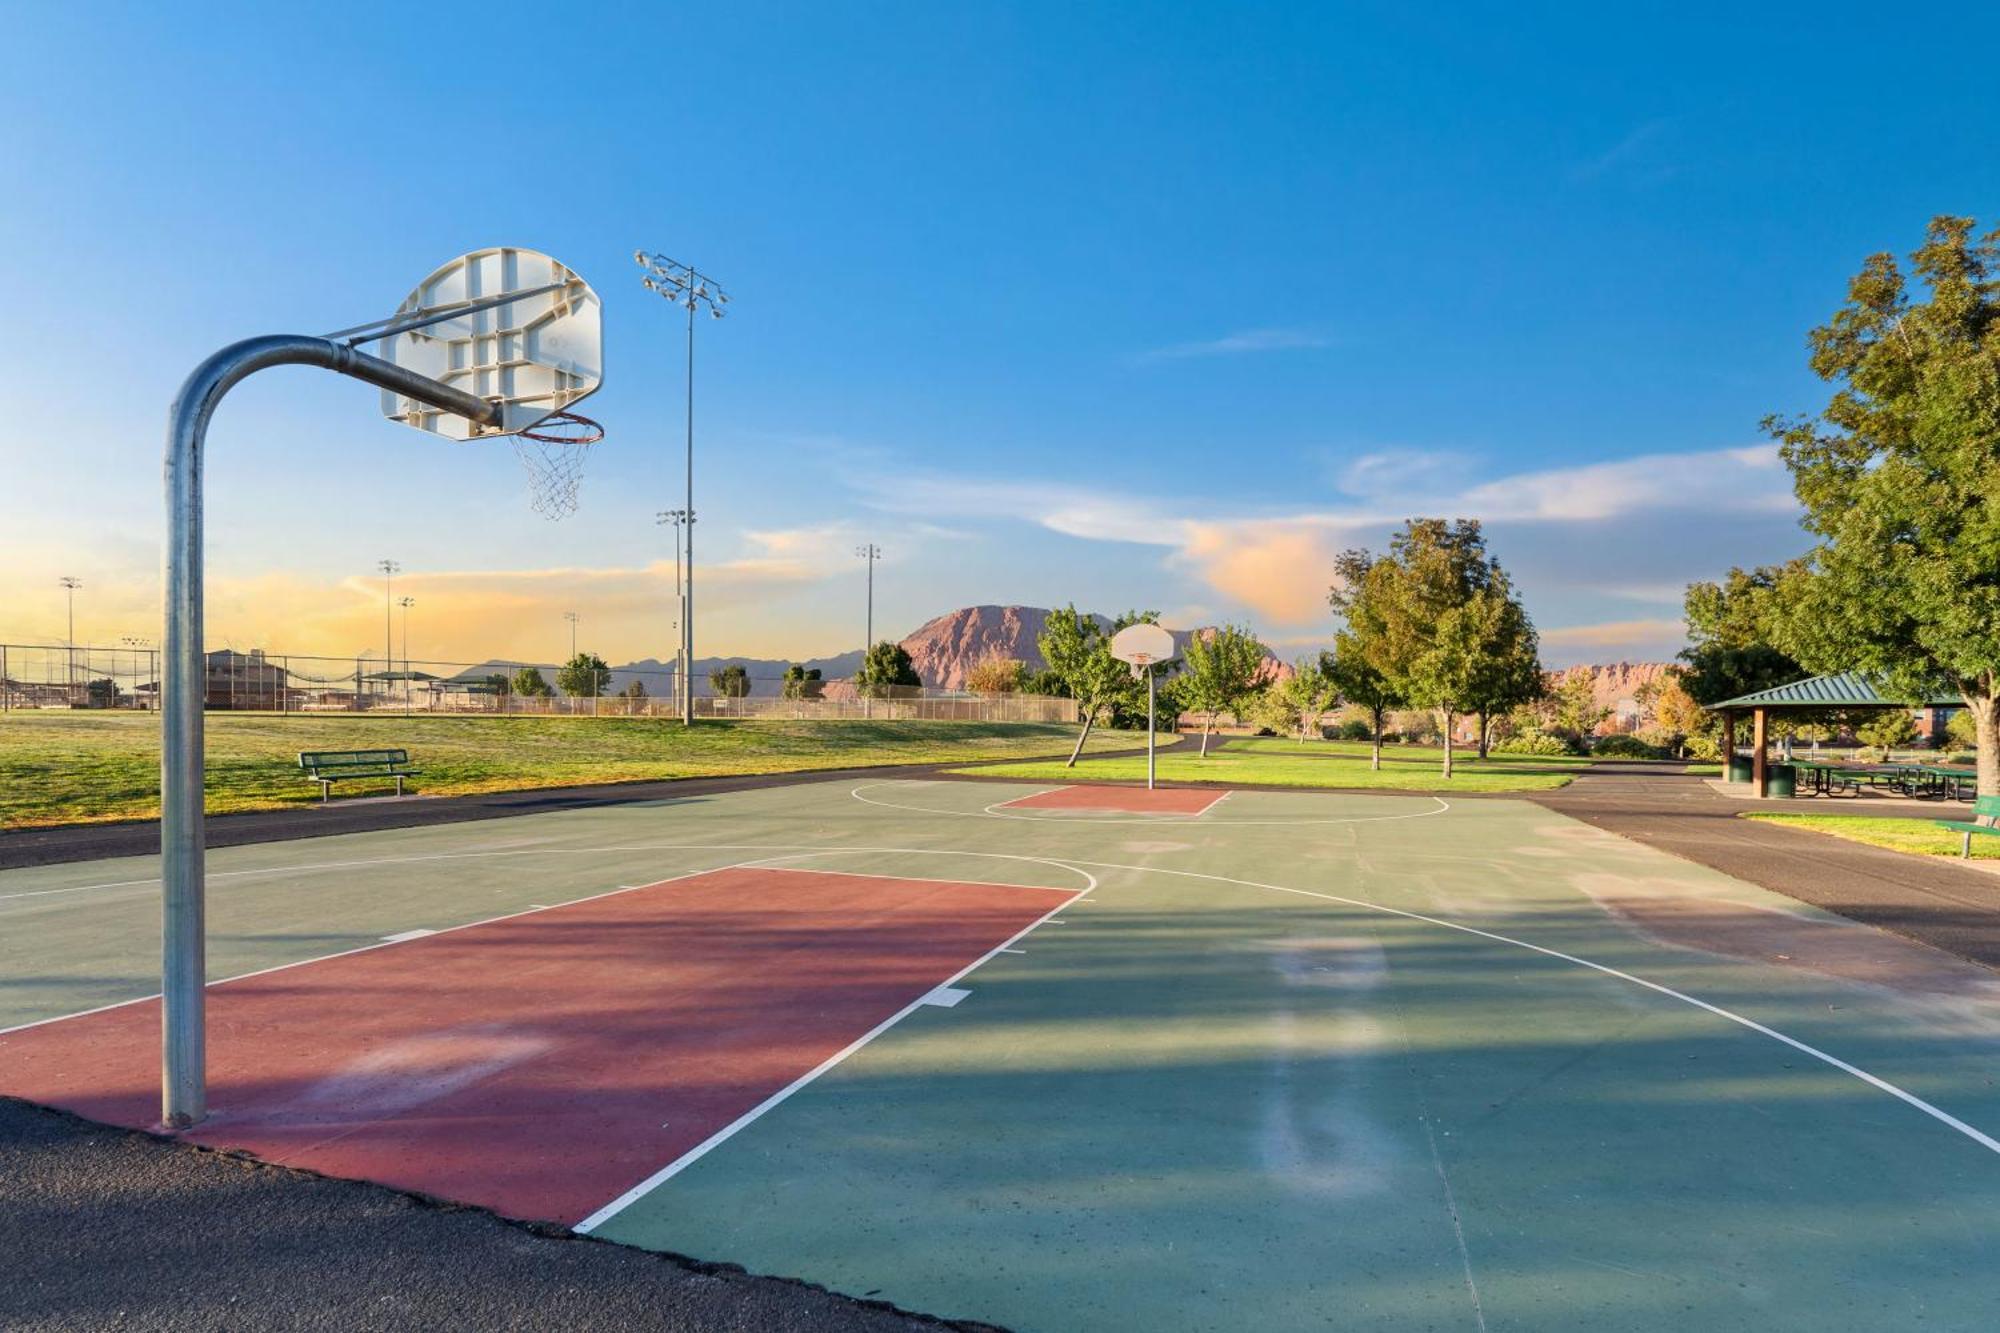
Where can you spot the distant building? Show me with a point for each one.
(245, 680)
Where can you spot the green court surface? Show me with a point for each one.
(1301, 1060)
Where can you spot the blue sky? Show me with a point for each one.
(1146, 305)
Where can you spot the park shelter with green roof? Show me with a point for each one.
(1845, 691)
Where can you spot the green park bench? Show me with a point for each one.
(1985, 819)
(327, 767)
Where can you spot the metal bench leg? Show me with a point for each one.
(1965, 852)
(325, 790)
(399, 784)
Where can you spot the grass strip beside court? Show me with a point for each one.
(1919, 837)
(1280, 763)
(84, 767)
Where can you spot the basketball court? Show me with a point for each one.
(1045, 1059)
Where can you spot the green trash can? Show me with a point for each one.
(1739, 768)
(1781, 780)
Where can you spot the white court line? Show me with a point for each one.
(1942, 1116)
(387, 941)
(730, 1130)
(993, 812)
(569, 851)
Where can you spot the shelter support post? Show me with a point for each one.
(1759, 760)
(1728, 742)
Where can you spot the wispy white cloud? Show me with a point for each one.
(1278, 564)
(1239, 343)
(1638, 155)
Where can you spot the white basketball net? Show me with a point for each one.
(553, 454)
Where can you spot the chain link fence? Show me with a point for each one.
(36, 676)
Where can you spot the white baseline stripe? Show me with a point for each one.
(994, 811)
(730, 1130)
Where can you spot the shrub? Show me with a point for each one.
(1624, 747)
(1354, 730)
(1534, 742)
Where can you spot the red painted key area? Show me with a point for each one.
(543, 1064)
(1127, 800)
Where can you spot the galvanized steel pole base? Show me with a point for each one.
(183, 942)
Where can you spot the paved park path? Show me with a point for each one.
(1950, 907)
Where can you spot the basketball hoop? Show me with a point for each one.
(1144, 645)
(553, 451)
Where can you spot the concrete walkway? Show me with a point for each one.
(1938, 903)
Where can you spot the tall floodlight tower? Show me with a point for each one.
(571, 617)
(678, 517)
(69, 587)
(684, 285)
(389, 570)
(406, 603)
(871, 553)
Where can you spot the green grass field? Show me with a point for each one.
(74, 768)
(1916, 836)
(1276, 762)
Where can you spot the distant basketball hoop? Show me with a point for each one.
(1145, 646)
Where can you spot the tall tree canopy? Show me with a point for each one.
(1734, 631)
(802, 682)
(1436, 617)
(1078, 652)
(1220, 673)
(885, 669)
(1359, 593)
(731, 681)
(584, 676)
(1900, 479)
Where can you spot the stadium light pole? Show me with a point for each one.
(684, 285)
(389, 569)
(571, 617)
(406, 603)
(871, 553)
(69, 587)
(678, 517)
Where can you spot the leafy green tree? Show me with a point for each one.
(636, 690)
(1078, 652)
(1574, 710)
(1891, 729)
(1733, 631)
(528, 681)
(1434, 616)
(802, 682)
(1359, 596)
(1220, 673)
(496, 682)
(1308, 692)
(584, 676)
(1961, 730)
(1044, 682)
(996, 675)
(1509, 673)
(886, 669)
(729, 682)
(1900, 479)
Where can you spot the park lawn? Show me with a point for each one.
(1268, 763)
(1917, 836)
(94, 767)
(1395, 752)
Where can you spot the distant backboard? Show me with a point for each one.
(534, 355)
(1142, 644)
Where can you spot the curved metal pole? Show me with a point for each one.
(183, 1044)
